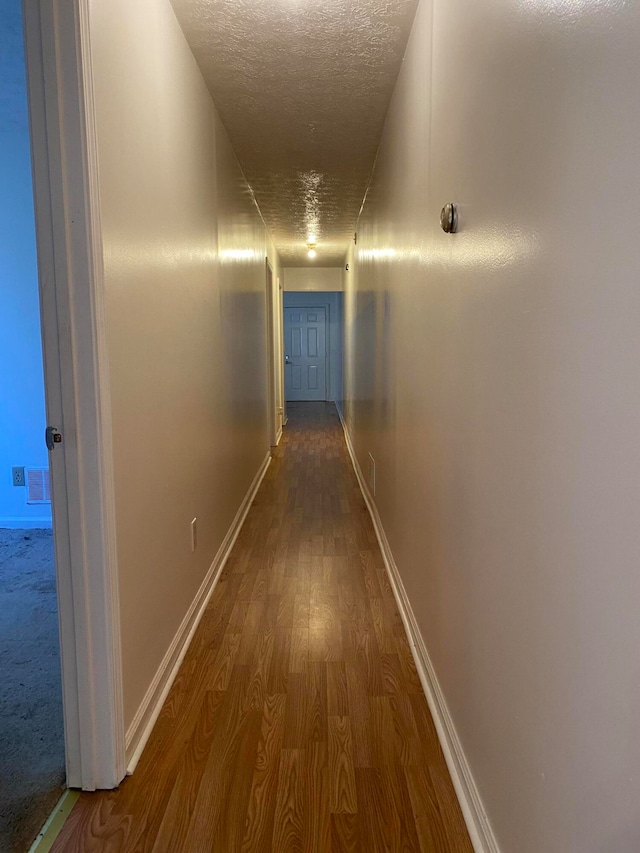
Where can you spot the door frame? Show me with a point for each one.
(273, 420)
(72, 307)
(282, 403)
(326, 306)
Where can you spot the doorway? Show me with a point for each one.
(305, 360)
(60, 137)
(312, 323)
(32, 751)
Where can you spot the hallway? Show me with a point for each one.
(297, 720)
(447, 173)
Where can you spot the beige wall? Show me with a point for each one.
(312, 278)
(493, 376)
(185, 278)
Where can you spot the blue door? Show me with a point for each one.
(305, 347)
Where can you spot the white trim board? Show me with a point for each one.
(142, 725)
(475, 816)
(72, 308)
(272, 358)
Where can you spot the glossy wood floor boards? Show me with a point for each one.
(297, 721)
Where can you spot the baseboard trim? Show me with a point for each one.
(142, 725)
(278, 436)
(15, 523)
(475, 816)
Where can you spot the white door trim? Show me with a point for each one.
(272, 407)
(71, 274)
(282, 403)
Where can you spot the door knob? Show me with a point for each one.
(52, 436)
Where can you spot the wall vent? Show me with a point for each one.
(38, 486)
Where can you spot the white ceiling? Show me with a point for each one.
(302, 87)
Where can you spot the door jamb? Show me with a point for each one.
(71, 280)
(282, 403)
(272, 413)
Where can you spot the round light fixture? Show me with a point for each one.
(311, 253)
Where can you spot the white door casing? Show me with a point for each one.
(272, 405)
(71, 279)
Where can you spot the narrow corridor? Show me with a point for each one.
(297, 721)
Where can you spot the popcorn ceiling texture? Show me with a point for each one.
(302, 87)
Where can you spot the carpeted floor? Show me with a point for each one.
(31, 728)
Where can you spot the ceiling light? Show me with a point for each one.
(312, 238)
(312, 253)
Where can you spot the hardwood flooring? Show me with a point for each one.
(297, 721)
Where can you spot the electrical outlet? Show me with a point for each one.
(194, 534)
(17, 476)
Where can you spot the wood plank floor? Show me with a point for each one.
(297, 721)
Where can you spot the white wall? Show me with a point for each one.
(312, 278)
(22, 414)
(332, 302)
(493, 376)
(186, 282)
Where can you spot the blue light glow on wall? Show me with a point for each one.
(22, 412)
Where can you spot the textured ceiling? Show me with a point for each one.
(302, 87)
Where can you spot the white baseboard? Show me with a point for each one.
(475, 816)
(14, 523)
(278, 436)
(140, 729)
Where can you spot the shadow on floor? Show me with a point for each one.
(31, 725)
